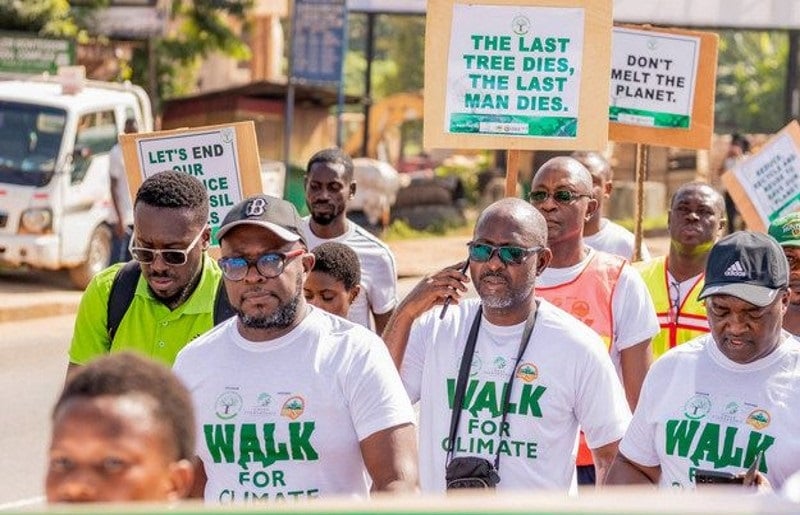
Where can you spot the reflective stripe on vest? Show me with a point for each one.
(588, 298)
(689, 322)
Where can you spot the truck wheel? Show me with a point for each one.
(98, 257)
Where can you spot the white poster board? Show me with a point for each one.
(653, 78)
(223, 157)
(517, 74)
(766, 185)
(514, 71)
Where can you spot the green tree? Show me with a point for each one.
(204, 26)
(50, 17)
(751, 79)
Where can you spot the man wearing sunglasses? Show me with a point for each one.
(329, 187)
(174, 297)
(562, 379)
(601, 290)
(599, 232)
(291, 401)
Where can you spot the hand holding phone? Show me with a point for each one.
(449, 298)
(718, 477)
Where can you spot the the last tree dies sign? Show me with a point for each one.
(514, 71)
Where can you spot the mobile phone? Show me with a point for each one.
(449, 298)
(717, 477)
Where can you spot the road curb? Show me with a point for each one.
(42, 310)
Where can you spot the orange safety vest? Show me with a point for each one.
(588, 298)
(677, 326)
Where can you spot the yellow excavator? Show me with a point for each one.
(386, 119)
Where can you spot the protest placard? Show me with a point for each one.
(766, 184)
(517, 74)
(223, 157)
(662, 86)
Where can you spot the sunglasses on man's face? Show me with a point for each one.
(560, 196)
(508, 254)
(172, 257)
(268, 265)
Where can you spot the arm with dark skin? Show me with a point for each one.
(635, 362)
(603, 457)
(381, 320)
(390, 456)
(429, 292)
(626, 472)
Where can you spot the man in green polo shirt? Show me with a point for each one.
(175, 294)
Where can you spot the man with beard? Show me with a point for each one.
(563, 378)
(601, 290)
(291, 401)
(175, 294)
(329, 187)
(696, 221)
(786, 230)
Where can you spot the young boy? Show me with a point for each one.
(123, 430)
(333, 283)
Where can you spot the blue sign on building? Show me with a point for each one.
(319, 40)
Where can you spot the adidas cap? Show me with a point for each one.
(274, 214)
(748, 265)
(786, 230)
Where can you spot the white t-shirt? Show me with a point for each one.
(116, 170)
(698, 409)
(283, 419)
(565, 378)
(378, 271)
(615, 239)
(635, 317)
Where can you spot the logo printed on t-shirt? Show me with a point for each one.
(228, 404)
(293, 407)
(759, 418)
(527, 372)
(697, 407)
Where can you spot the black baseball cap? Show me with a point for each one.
(748, 265)
(272, 213)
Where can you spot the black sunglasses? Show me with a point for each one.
(508, 254)
(268, 265)
(560, 196)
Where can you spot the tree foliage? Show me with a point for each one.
(50, 17)
(751, 79)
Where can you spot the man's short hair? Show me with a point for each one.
(333, 155)
(339, 261)
(175, 190)
(127, 374)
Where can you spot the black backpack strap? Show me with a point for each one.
(120, 297)
(222, 307)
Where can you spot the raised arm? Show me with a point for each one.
(429, 292)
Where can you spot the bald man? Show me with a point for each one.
(562, 378)
(601, 290)
(696, 221)
(599, 232)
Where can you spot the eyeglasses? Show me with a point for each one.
(172, 257)
(560, 196)
(509, 255)
(268, 265)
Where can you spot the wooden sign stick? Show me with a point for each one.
(642, 156)
(512, 171)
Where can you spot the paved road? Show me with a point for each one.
(33, 354)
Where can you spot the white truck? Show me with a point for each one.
(55, 203)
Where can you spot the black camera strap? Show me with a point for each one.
(463, 373)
